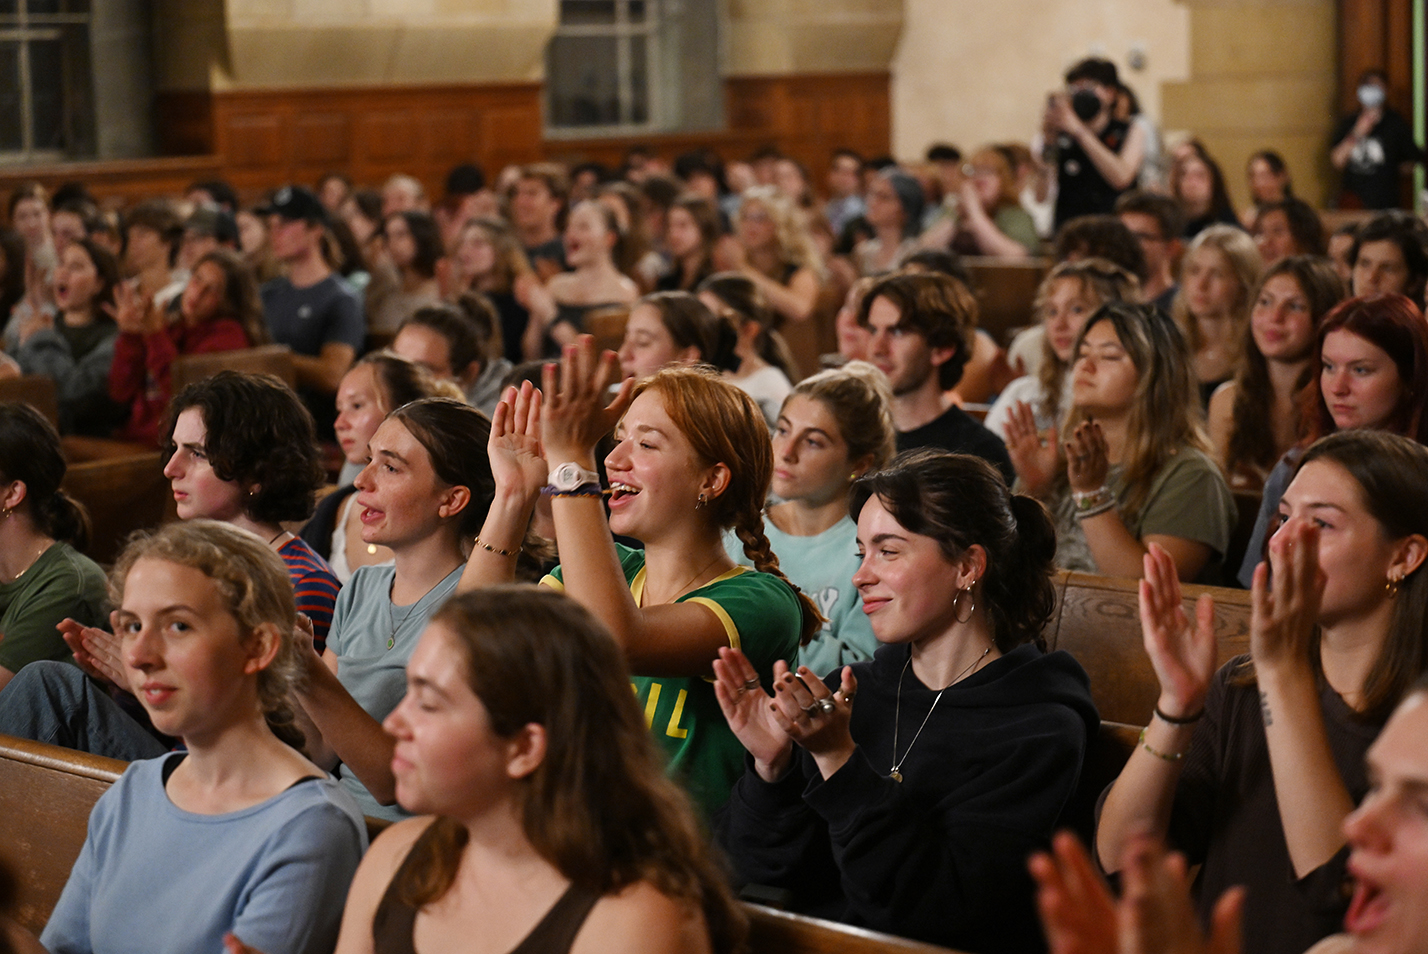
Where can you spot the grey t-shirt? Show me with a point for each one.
(1188, 498)
(305, 319)
(373, 640)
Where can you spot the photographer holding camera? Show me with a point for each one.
(1096, 156)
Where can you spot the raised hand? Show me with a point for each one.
(1182, 655)
(746, 708)
(1088, 460)
(575, 415)
(514, 446)
(97, 652)
(131, 309)
(1284, 597)
(1033, 453)
(1154, 915)
(814, 717)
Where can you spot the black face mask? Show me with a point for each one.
(1085, 104)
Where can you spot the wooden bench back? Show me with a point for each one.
(608, 326)
(46, 794)
(37, 390)
(45, 797)
(1005, 289)
(122, 494)
(1098, 621)
(274, 359)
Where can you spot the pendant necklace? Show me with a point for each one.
(897, 711)
(392, 617)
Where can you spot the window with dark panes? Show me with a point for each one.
(633, 66)
(45, 90)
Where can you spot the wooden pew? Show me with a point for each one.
(777, 932)
(45, 797)
(46, 794)
(272, 359)
(37, 390)
(122, 494)
(608, 326)
(1098, 621)
(1005, 289)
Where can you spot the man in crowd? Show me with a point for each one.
(1157, 223)
(920, 335)
(308, 309)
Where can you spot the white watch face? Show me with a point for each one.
(570, 475)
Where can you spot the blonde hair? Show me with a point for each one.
(795, 245)
(1245, 263)
(860, 400)
(256, 589)
(1098, 279)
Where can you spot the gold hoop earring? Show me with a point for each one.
(956, 601)
(700, 503)
(1391, 586)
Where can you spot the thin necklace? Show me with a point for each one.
(34, 561)
(392, 617)
(275, 537)
(688, 581)
(897, 712)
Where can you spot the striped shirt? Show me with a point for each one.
(314, 586)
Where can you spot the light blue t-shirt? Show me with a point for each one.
(823, 566)
(373, 641)
(155, 879)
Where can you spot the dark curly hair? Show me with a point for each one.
(258, 434)
(962, 501)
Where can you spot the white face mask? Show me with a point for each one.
(1371, 95)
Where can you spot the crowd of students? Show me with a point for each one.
(774, 559)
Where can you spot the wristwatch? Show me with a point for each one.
(570, 479)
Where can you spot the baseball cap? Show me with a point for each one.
(294, 202)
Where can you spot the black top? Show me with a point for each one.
(1080, 187)
(552, 250)
(1226, 817)
(317, 532)
(394, 920)
(1371, 177)
(941, 855)
(957, 431)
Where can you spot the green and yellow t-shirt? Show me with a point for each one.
(761, 617)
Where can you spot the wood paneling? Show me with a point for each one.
(260, 139)
(1376, 34)
(268, 137)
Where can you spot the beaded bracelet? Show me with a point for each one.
(1183, 720)
(1095, 511)
(496, 550)
(1163, 756)
(1098, 500)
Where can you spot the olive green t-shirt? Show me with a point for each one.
(61, 583)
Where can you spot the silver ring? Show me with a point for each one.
(751, 684)
(827, 704)
(811, 708)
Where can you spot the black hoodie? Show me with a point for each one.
(940, 856)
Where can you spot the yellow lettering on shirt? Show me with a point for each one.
(651, 704)
(673, 730)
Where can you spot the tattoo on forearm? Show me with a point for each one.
(1264, 709)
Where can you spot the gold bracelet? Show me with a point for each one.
(1163, 756)
(496, 550)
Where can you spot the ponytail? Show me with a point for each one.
(64, 518)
